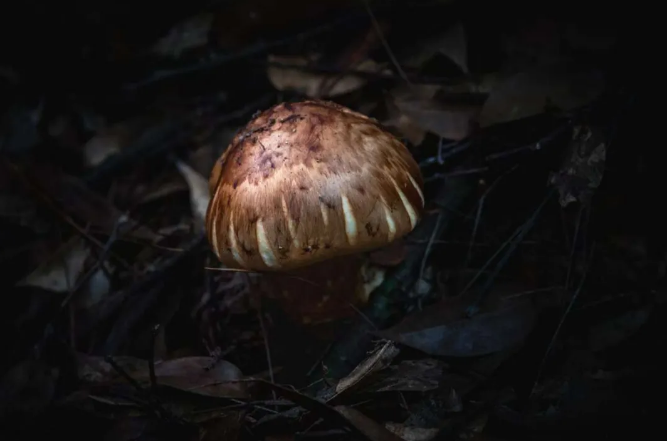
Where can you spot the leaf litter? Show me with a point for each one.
(118, 323)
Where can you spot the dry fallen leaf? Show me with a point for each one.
(377, 361)
(60, 271)
(312, 84)
(531, 92)
(451, 121)
(409, 433)
(200, 375)
(108, 142)
(199, 192)
(444, 329)
(418, 107)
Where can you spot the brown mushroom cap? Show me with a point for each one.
(305, 182)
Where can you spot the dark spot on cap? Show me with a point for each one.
(303, 188)
(236, 183)
(327, 204)
(327, 246)
(314, 148)
(360, 190)
(254, 219)
(370, 230)
(291, 118)
(289, 107)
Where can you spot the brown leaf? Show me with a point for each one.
(201, 375)
(377, 361)
(371, 429)
(447, 120)
(408, 128)
(530, 92)
(444, 329)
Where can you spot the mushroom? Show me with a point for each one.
(308, 182)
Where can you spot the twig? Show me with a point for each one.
(429, 245)
(574, 298)
(387, 49)
(470, 171)
(511, 245)
(533, 146)
(452, 149)
(478, 216)
(265, 338)
(151, 361)
(106, 250)
(154, 404)
(573, 248)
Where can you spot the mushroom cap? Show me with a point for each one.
(305, 182)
